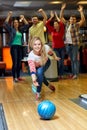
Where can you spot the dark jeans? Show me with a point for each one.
(60, 52)
(40, 75)
(16, 54)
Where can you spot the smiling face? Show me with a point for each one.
(35, 20)
(37, 46)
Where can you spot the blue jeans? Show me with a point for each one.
(60, 52)
(40, 75)
(72, 51)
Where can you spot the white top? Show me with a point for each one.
(68, 39)
(33, 59)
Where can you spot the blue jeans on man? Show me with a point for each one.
(72, 51)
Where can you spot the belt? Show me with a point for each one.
(69, 44)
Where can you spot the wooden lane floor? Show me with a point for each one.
(20, 106)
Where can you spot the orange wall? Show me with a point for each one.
(7, 57)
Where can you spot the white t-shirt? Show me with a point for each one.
(68, 39)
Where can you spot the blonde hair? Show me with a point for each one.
(42, 51)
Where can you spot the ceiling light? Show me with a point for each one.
(55, 2)
(22, 4)
(82, 2)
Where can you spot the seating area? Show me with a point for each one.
(5, 63)
(84, 52)
(2, 68)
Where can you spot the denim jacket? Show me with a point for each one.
(12, 31)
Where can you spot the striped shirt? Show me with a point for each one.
(74, 31)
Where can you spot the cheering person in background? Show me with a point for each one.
(16, 42)
(57, 33)
(37, 28)
(72, 37)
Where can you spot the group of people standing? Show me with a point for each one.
(65, 39)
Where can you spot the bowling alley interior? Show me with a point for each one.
(62, 104)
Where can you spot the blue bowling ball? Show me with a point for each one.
(46, 109)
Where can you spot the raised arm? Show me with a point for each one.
(22, 18)
(62, 12)
(42, 12)
(80, 9)
(8, 16)
(58, 19)
(50, 28)
(51, 15)
(6, 23)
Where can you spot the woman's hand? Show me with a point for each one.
(35, 83)
(63, 6)
(10, 13)
(51, 14)
(21, 18)
(34, 80)
(57, 58)
(40, 10)
(58, 19)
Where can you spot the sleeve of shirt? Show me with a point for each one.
(32, 67)
(62, 28)
(49, 27)
(8, 27)
(47, 48)
(31, 63)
